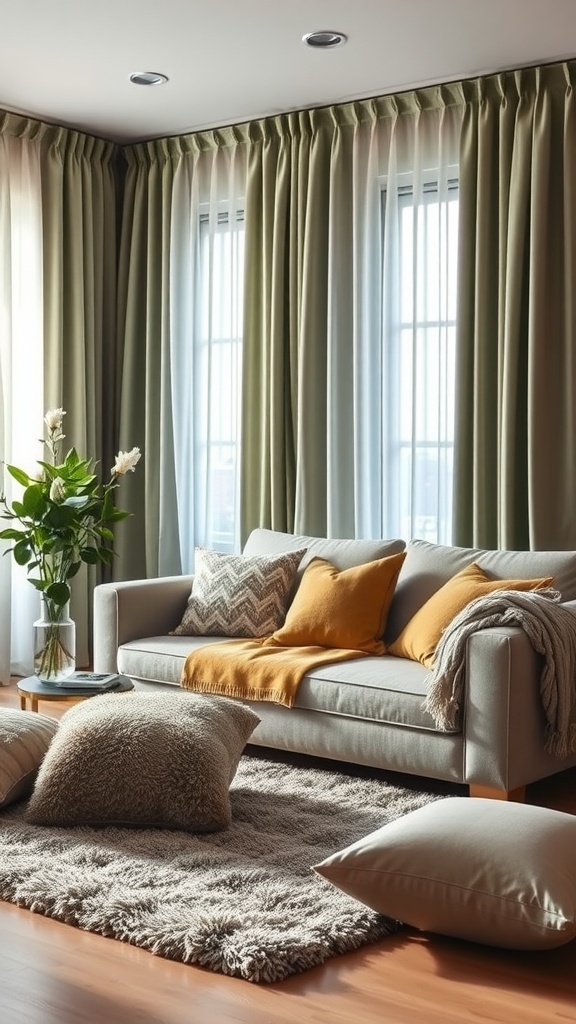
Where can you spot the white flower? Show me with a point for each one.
(126, 462)
(57, 490)
(53, 420)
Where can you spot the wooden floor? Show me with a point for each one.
(52, 973)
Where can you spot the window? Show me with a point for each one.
(217, 376)
(21, 372)
(419, 324)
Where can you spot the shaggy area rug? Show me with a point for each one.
(243, 902)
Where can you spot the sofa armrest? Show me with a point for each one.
(504, 720)
(134, 609)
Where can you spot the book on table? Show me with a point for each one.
(90, 681)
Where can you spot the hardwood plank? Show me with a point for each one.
(52, 973)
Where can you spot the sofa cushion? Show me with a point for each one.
(341, 553)
(25, 736)
(420, 637)
(428, 566)
(238, 596)
(163, 760)
(374, 688)
(344, 608)
(483, 870)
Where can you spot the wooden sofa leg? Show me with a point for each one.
(491, 793)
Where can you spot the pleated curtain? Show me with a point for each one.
(318, 413)
(170, 393)
(515, 460)
(311, 205)
(58, 208)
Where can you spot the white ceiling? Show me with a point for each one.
(227, 61)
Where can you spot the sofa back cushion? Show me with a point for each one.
(428, 567)
(343, 554)
(421, 636)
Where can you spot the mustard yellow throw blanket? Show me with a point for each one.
(256, 669)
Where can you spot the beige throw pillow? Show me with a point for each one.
(483, 870)
(24, 739)
(233, 595)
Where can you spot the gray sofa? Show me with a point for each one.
(369, 711)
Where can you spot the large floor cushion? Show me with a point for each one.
(24, 739)
(499, 873)
(160, 760)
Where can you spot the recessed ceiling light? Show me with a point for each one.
(148, 78)
(324, 39)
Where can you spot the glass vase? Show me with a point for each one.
(54, 643)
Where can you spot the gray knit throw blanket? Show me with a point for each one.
(551, 629)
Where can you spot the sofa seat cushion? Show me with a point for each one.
(378, 689)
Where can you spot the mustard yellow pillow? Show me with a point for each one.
(419, 638)
(344, 608)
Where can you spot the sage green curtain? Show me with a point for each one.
(272, 301)
(143, 361)
(79, 201)
(79, 211)
(312, 371)
(299, 258)
(515, 456)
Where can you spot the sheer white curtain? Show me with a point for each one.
(207, 257)
(419, 218)
(377, 331)
(21, 374)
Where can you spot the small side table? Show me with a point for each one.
(33, 690)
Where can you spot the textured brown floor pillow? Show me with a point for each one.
(143, 759)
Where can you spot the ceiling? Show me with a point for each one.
(69, 61)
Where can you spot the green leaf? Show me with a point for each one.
(103, 531)
(117, 515)
(59, 516)
(89, 555)
(19, 475)
(22, 552)
(73, 569)
(11, 534)
(50, 471)
(39, 584)
(58, 592)
(19, 510)
(34, 501)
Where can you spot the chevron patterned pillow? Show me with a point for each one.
(239, 596)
